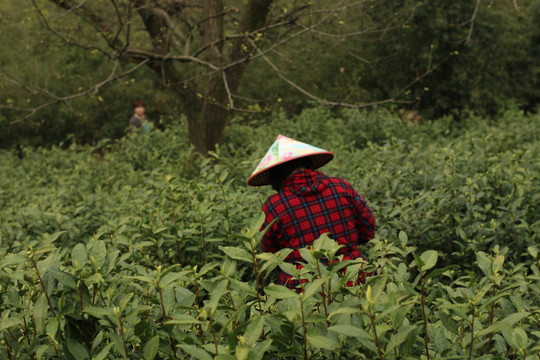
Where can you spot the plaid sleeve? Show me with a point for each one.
(365, 221)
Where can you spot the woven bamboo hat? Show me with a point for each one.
(285, 149)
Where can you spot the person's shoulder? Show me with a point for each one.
(337, 181)
(274, 201)
(340, 185)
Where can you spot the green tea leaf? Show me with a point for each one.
(215, 295)
(53, 237)
(45, 249)
(182, 319)
(398, 338)
(237, 253)
(77, 350)
(322, 342)
(151, 348)
(313, 287)
(99, 252)
(9, 322)
(79, 256)
(343, 310)
(242, 353)
(10, 260)
(40, 350)
(99, 312)
(403, 238)
(498, 263)
(184, 297)
(65, 279)
(104, 352)
(40, 313)
(195, 352)
(126, 299)
(258, 351)
(484, 263)
(280, 292)
(257, 222)
(207, 267)
(349, 330)
(520, 337)
(378, 289)
(507, 323)
(533, 251)
(447, 322)
(51, 327)
(429, 257)
(254, 330)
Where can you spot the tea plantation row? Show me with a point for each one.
(133, 250)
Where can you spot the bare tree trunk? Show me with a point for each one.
(209, 130)
(207, 119)
(211, 124)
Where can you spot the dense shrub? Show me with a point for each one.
(133, 249)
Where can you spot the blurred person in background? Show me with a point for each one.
(139, 120)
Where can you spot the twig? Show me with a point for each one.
(371, 317)
(472, 333)
(66, 99)
(426, 337)
(473, 18)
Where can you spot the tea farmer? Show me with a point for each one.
(139, 120)
(308, 204)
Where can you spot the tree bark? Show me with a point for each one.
(208, 131)
(210, 127)
(207, 118)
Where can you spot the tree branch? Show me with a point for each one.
(324, 102)
(93, 90)
(473, 18)
(62, 36)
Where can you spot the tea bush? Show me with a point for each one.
(132, 249)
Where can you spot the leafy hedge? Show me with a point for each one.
(133, 250)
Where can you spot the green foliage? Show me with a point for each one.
(130, 249)
(36, 59)
(369, 52)
(483, 61)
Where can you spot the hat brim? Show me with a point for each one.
(318, 159)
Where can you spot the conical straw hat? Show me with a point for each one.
(285, 149)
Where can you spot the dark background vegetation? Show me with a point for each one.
(484, 57)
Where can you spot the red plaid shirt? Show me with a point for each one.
(309, 205)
